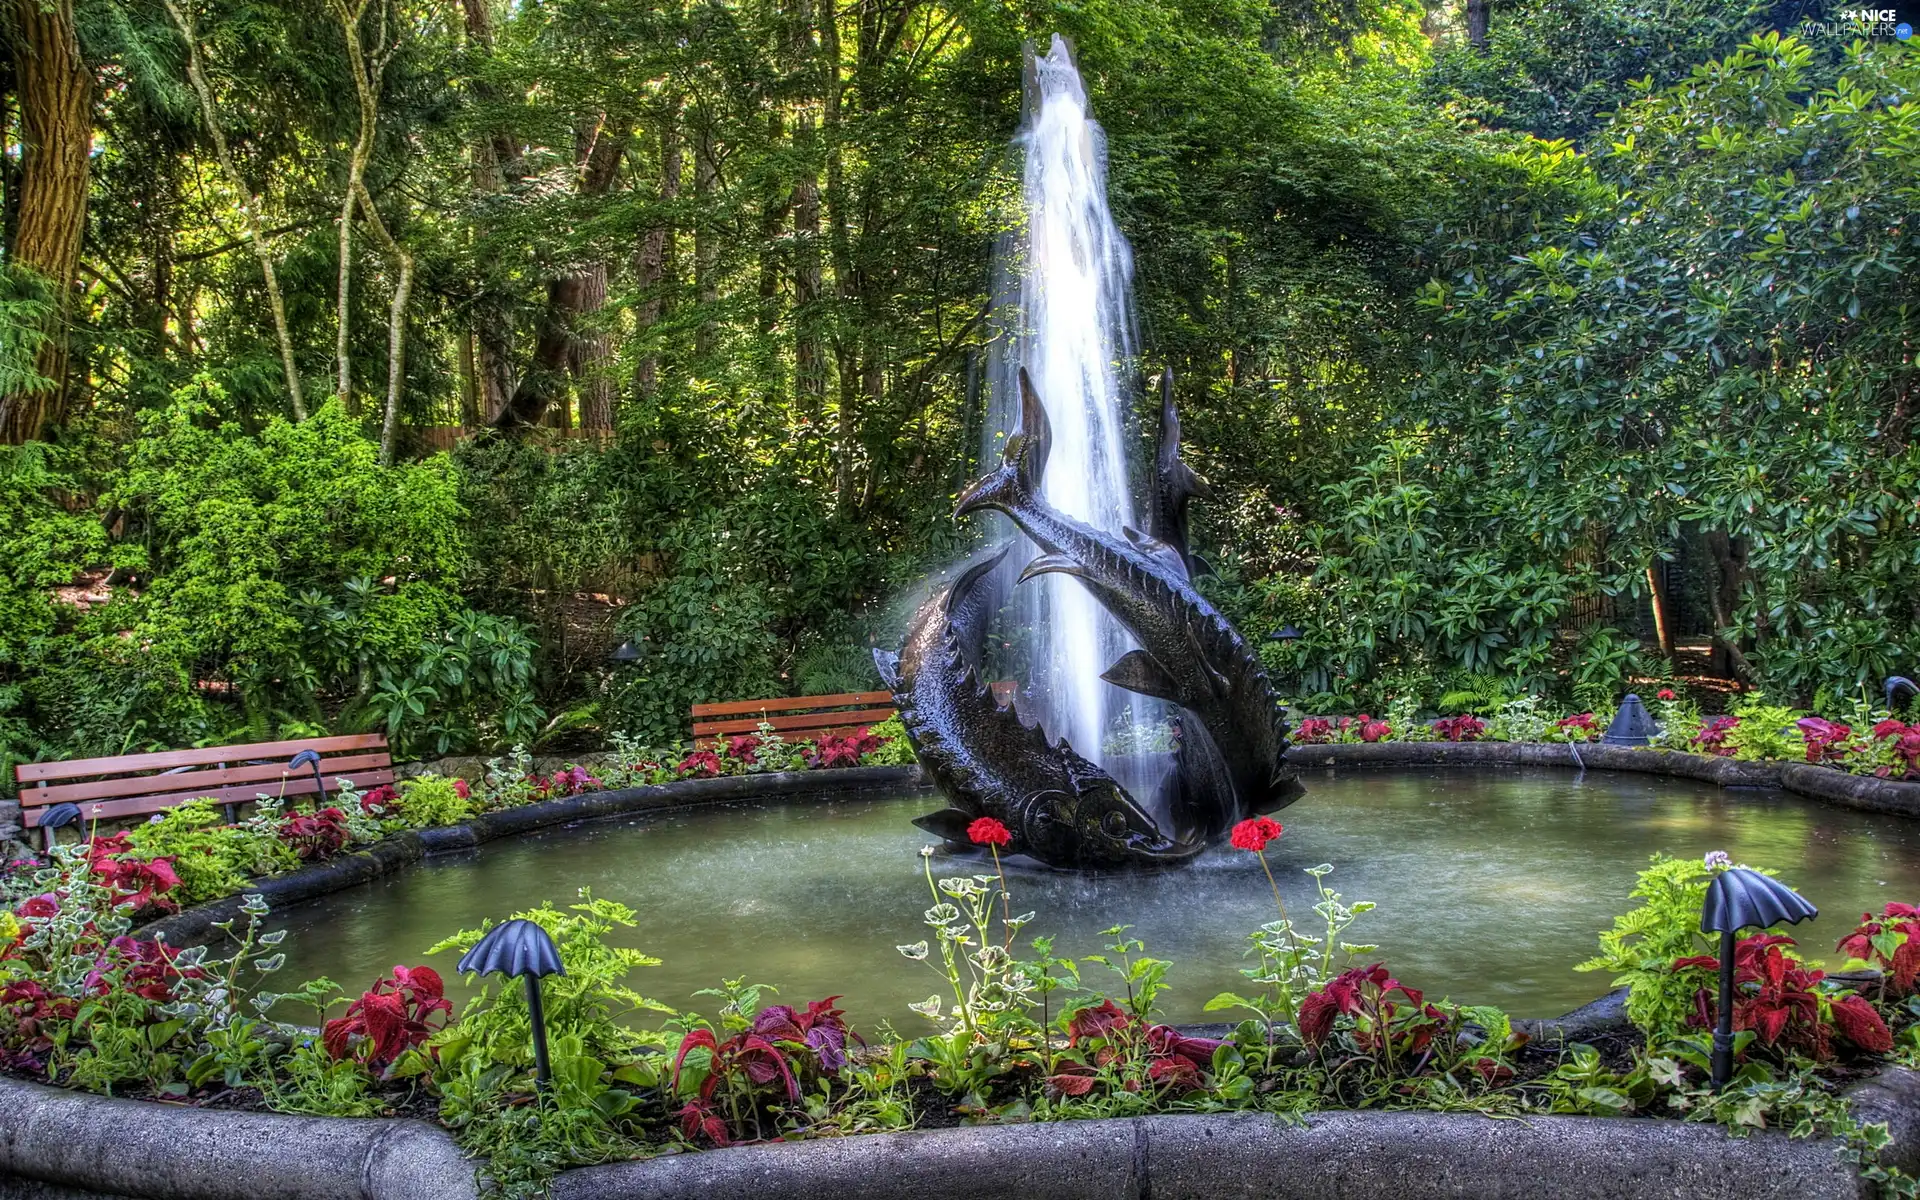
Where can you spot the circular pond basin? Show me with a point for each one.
(1491, 885)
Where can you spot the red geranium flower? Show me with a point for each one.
(1254, 834)
(1664, 694)
(986, 831)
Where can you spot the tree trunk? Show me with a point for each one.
(809, 356)
(496, 160)
(592, 354)
(1662, 621)
(653, 266)
(1477, 24)
(349, 15)
(56, 128)
(599, 151)
(706, 241)
(1730, 576)
(249, 207)
(470, 384)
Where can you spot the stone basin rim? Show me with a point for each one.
(62, 1145)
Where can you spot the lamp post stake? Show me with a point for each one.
(1723, 1028)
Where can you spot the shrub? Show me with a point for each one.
(425, 801)
(212, 859)
(1645, 942)
(895, 749)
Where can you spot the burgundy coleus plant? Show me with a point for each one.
(822, 1028)
(744, 748)
(392, 1017)
(1826, 740)
(1390, 1019)
(381, 801)
(1889, 942)
(1582, 725)
(1313, 731)
(143, 883)
(315, 836)
(1136, 1055)
(27, 1014)
(701, 764)
(143, 968)
(1777, 998)
(1712, 738)
(836, 750)
(1906, 744)
(1464, 728)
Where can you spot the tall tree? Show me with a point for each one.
(56, 133)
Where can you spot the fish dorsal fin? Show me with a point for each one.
(1166, 555)
(1174, 482)
(1138, 671)
(1052, 564)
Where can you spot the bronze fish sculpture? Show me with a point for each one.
(1059, 808)
(1190, 654)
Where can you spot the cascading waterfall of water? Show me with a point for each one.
(1067, 317)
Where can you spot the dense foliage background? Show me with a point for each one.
(373, 363)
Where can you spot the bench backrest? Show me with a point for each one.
(794, 717)
(133, 785)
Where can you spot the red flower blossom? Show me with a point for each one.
(1664, 694)
(1255, 833)
(986, 831)
(461, 789)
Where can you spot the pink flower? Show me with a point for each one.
(1664, 694)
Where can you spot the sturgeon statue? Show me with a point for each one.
(1059, 808)
(1190, 654)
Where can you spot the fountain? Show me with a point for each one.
(1116, 624)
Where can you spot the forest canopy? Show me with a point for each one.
(378, 364)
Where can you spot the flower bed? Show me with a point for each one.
(1864, 741)
(1015, 1034)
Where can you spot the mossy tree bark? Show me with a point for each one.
(56, 126)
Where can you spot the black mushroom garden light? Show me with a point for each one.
(520, 949)
(54, 818)
(1742, 898)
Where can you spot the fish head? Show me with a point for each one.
(1113, 828)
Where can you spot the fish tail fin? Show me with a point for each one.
(1022, 463)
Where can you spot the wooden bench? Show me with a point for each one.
(794, 717)
(134, 785)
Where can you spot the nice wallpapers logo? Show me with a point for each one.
(1850, 23)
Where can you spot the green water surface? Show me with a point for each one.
(1490, 887)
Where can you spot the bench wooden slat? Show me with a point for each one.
(238, 794)
(849, 720)
(350, 765)
(842, 700)
(125, 764)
